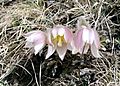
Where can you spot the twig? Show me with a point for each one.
(99, 13)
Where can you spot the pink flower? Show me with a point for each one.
(35, 39)
(59, 39)
(87, 38)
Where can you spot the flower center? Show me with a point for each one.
(59, 40)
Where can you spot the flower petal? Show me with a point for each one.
(38, 47)
(85, 35)
(81, 48)
(78, 38)
(61, 31)
(95, 51)
(54, 32)
(49, 39)
(62, 51)
(32, 32)
(50, 51)
(91, 36)
(35, 37)
(97, 39)
(70, 46)
(78, 42)
(86, 47)
(68, 35)
(29, 45)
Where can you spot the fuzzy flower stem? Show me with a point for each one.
(40, 73)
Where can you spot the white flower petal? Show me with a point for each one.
(36, 40)
(86, 47)
(49, 37)
(68, 36)
(35, 37)
(62, 51)
(78, 41)
(91, 36)
(81, 48)
(85, 35)
(29, 45)
(97, 39)
(61, 31)
(50, 51)
(38, 47)
(54, 32)
(71, 46)
(95, 51)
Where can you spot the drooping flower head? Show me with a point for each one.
(86, 38)
(35, 39)
(59, 38)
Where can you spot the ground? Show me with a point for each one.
(20, 67)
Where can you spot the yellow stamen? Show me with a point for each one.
(59, 40)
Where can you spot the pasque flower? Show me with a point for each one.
(35, 39)
(59, 39)
(86, 38)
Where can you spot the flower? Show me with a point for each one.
(59, 39)
(86, 38)
(35, 39)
